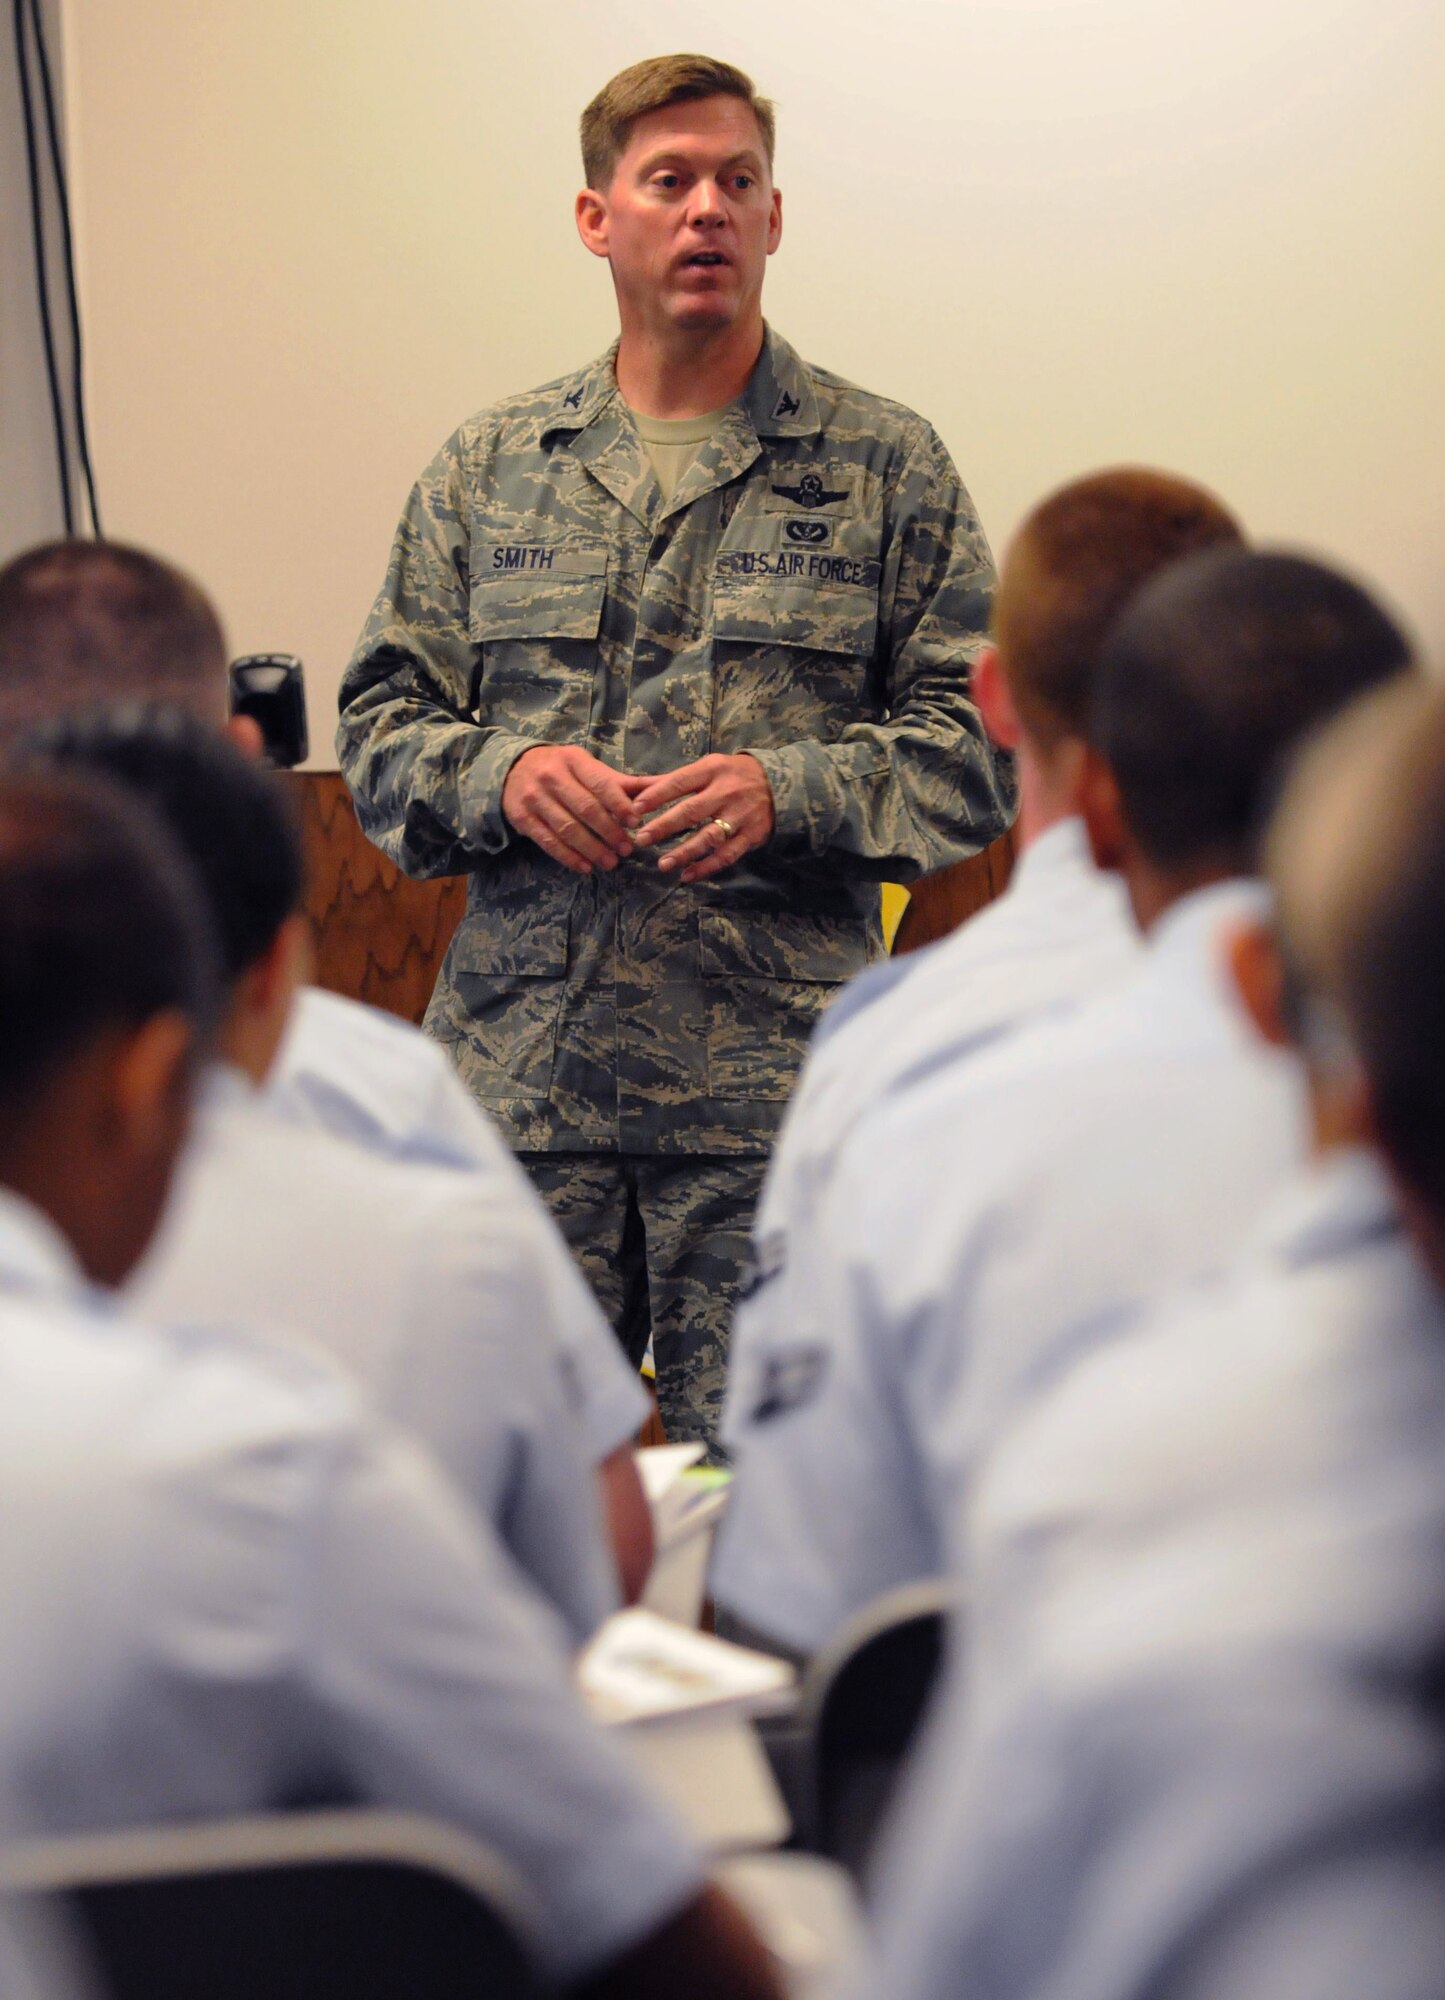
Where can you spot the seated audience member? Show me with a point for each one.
(440, 1302)
(1209, 1605)
(88, 623)
(987, 1220)
(83, 624)
(1061, 932)
(225, 1584)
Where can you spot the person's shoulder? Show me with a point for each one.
(863, 993)
(323, 1021)
(1036, 1058)
(520, 421)
(333, 1036)
(877, 999)
(845, 408)
(369, 1077)
(207, 1385)
(340, 1188)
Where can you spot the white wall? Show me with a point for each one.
(30, 507)
(1203, 233)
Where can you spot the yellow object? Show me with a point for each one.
(895, 902)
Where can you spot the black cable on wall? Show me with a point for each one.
(29, 11)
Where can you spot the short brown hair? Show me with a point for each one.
(88, 622)
(648, 86)
(1073, 566)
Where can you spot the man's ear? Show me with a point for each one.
(1252, 953)
(994, 700)
(150, 1086)
(1102, 812)
(591, 216)
(775, 221)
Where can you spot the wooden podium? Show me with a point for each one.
(381, 937)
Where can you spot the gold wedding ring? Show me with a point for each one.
(727, 826)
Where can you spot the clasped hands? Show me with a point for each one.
(586, 815)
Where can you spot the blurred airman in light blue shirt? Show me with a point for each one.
(1061, 932)
(1197, 1749)
(987, 1224)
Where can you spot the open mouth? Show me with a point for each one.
(704, 260)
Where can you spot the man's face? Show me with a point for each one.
(690, 218)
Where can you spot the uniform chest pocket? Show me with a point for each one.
(536, 590)
(794, 627)
(535, 612)
(799, 582)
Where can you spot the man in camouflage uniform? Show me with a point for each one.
(672, 660)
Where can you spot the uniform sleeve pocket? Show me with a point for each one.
(511, 943)
(503, 979)
(766, 979)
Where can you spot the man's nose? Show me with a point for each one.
(707, 205)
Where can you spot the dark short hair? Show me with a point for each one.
(1073, 566)
(89, 622)
(102, 925)
(227, 816)
(1215, 673)
(651, 86)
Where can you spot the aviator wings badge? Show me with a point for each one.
(810, 492)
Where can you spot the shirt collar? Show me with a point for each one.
(34, 1256)
(1059, 849)
(779, 398)
(223, 1085)
(1184, 941)
(1343, 1202)
(778, 401)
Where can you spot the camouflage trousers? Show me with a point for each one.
(663, 1241)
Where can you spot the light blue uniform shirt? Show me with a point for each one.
(1196, 1748)
(366, 1076)
(1060, 932)
(981, 1222)
(445, 1302)
(226, 1587)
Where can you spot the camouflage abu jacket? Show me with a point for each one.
(815, 594)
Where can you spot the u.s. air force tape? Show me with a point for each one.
(814, 567)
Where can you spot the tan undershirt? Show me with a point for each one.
(672, 444)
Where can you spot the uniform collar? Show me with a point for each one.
(1060, 849)
(34, 1256)
(591, 420)
(581, 398)
(779, 398)
(224, 1084)
(1340, 1203)
(1186, 937)
(777, 402)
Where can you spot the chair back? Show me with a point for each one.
(307, 1906)
(862, 1701)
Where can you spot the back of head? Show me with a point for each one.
(1214, 675)
(227, 816)
(1070, 570)
(651, 86)
(88, 622)
(101, 926)
(1357, 858)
